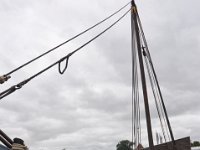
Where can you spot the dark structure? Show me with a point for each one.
(181, 144)
(142, 66)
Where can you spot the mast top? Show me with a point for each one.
(133, 3)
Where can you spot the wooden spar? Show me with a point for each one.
(143, 79)
(5, 142)
(6, 137)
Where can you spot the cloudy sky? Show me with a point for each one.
(89, 107)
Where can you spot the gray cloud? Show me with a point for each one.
(89, 107)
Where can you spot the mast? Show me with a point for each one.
(143, 79)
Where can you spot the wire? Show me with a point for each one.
(7, 76)
(21, 84)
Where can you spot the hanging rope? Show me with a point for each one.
(62, 71)
(136, 124)
(5, 77)
(65, 58)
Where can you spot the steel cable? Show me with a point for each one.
(7, 75)
(21, 84)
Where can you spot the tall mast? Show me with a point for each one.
(143, 79)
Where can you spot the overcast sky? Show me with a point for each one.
(89, 107)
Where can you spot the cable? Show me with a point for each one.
(136, 124)
(153, 82)
(158, 87)
(7, 76)
(21, 84)
(156, 80)
(155, 96)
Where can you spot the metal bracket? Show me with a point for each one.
(4, 78)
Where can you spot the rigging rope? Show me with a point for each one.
(160, 106)
(160, 97)
(136, 125)
(161, 101)
(157, 99)
(132, 90)
(65, 58)
(5, 77)
(155, 96)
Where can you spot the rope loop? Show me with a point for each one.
(66, 59)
